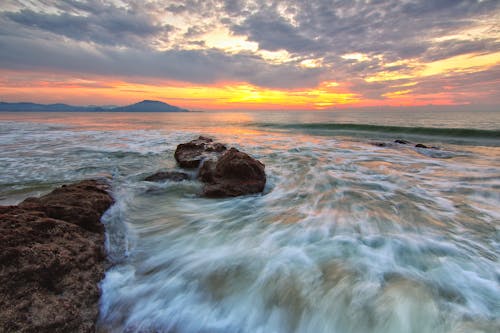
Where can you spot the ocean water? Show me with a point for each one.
(347, 236)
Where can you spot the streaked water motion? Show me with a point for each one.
(348, 236)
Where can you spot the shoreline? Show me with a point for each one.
(52, 255)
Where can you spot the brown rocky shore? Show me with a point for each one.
(52, 259)
(52, 254)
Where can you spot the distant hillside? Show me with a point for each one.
(45, 107)
(144, 106)
(149, 106)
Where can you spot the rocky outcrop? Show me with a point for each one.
(52, 258)
(82, 204)
(226, 173)
(175, 176)
(234, 174)
(190, 154)
(420, 145)
(380, 144)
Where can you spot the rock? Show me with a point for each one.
(52, 258)
(190, 154)
(419, 145)
(226, 173)
(402, 142)
(205, 138)
(82, 203)
(175, 176)
(207, 171)
(380, 144)
(234, 174)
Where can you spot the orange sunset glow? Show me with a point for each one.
(215, 57)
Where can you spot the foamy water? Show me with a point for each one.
(347, 236)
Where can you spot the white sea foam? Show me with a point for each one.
(347, 237)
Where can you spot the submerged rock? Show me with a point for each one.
(52, 258)
(190, 154)
(380, 144)
(234, 174)
(175, 176)
(401, 142)
(419, 145)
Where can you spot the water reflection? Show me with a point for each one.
(348, 237)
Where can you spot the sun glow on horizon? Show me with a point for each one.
(221, 96)
(230, 55)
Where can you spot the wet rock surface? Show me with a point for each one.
(52, 258)
(190, 154)
(420, 145)
(381, 144)
(207, 171)
(235, 173)
(402, 142)
(226, 173)
(175, 176)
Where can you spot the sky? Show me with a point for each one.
(252, 54)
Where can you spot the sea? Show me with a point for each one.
(353, 232)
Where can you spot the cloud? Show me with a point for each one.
(274, 33)
(483, 83)
(111, 27)
(197, 66)
(171, 39)
(234, 6)
(177, 9)
(450, 8)
(455, 47)
(393, 28)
